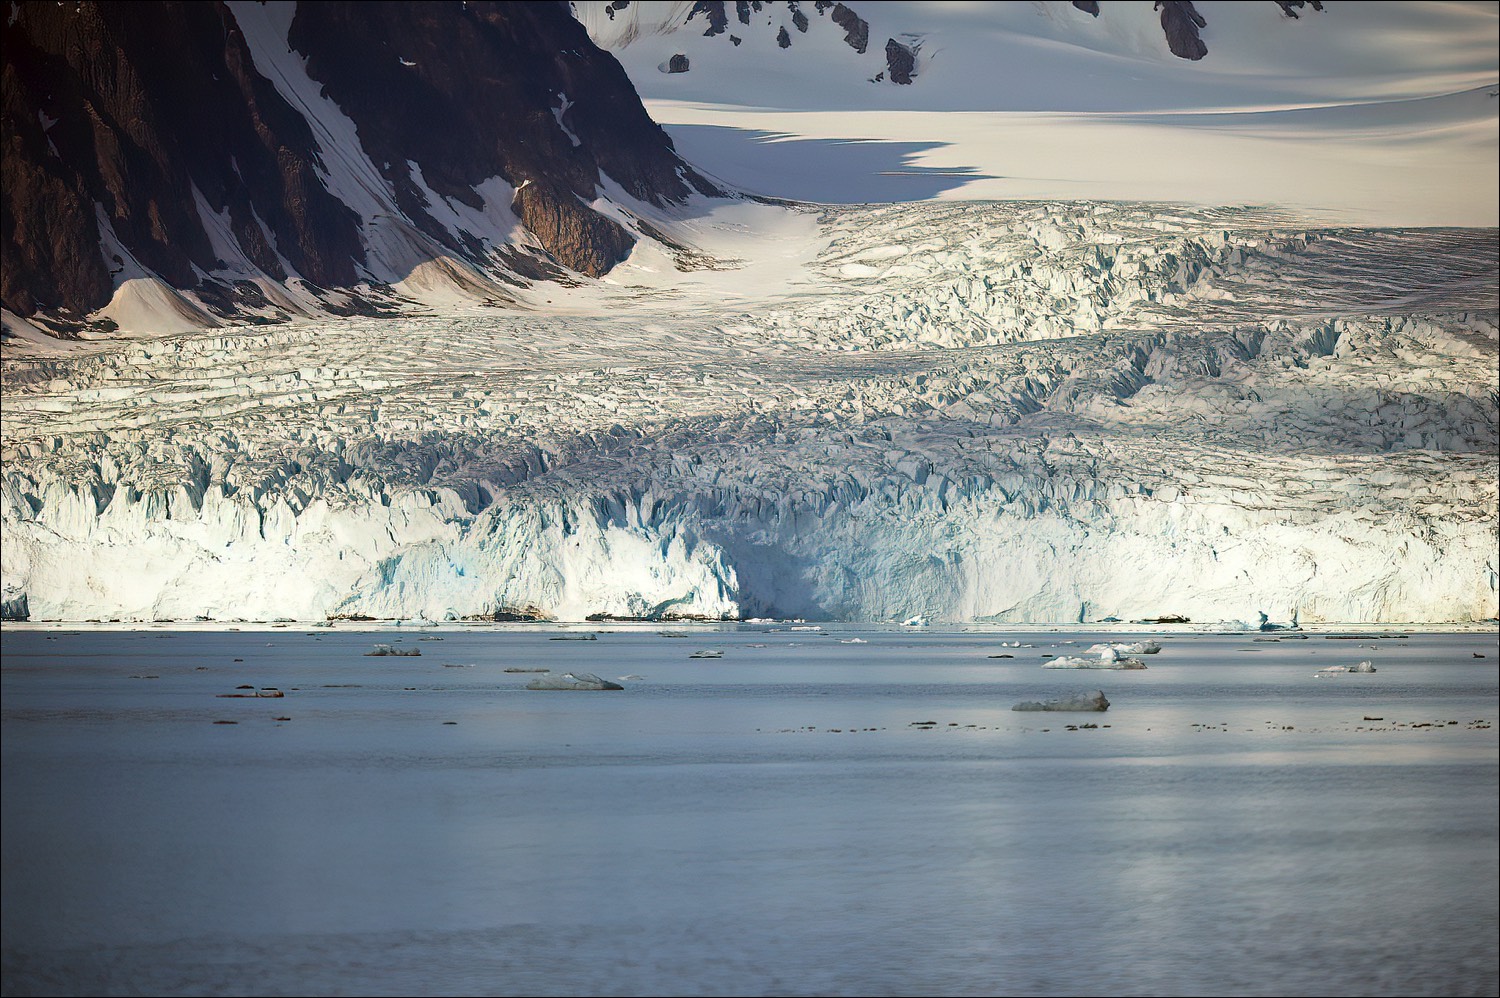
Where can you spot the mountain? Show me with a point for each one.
(1370, 114)
(617, 23)
(174, 165)
(1066, 328)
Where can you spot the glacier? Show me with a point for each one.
(1016, 412)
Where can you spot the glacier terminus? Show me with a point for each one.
(1001, 411)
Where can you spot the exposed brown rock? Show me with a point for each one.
(580, 238)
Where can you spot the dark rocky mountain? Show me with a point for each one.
(169, 140)
(1181, 22)
(1181, 25)
(718, 17)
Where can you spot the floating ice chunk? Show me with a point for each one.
(1266, 624)
(572, 681)
(916, 621)
(1125, 648)
(380, 650)
(1336, 670)
(14, 606)
(632, 678)
(1106, 661)
(1078, 701)
(853, 641)
(707, 653)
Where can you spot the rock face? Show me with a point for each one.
(856, 29)
(900, 62)
(1181, 21)
(150, 141)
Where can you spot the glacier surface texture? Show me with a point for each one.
(1017, 411)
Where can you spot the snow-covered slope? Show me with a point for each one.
(1364, 113)
(1003, 411)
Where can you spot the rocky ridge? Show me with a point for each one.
(210, 161)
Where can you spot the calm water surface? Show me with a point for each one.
(771, 822)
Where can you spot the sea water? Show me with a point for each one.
(807, 814)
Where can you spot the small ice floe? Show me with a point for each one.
(522, 668)
(706, 653)
(1126, 648)
(673, 634)
(267, 692)
(1266, 624)
(574, 637)
(1078, 701)
(632, 678)
(1107, 659)
(805, 627)
(917, 620)
(572, 681)
(853, 641)
(380, 650)
(1337, 670)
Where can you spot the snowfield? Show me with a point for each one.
(1363, 113)
(1005, 411)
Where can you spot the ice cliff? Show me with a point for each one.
(1013, 412)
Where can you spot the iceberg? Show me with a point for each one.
(1100, 662)
(572, 681)
(1077, 702)
(14, 606)
(1124, 648)
(1339, 670)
